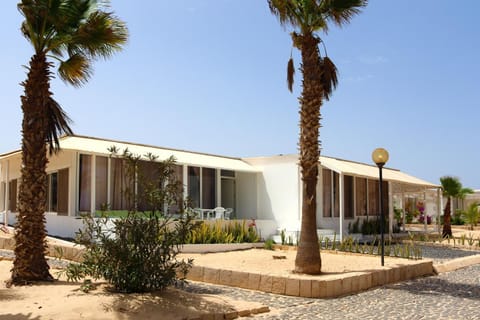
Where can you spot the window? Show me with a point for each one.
(57, 192)
(327, 192)
(85, 181)
(361, 196)
(385, 197)
(12, 195)
(209, 188)
(336, 195)
(120, 186)
(101, 182)
(52, 193)
(194, 186)
(348, 197)
(373, 198)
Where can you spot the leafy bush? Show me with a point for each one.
(137, 253)
(472, 215)
(457, 219)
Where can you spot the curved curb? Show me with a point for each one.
(456, 264)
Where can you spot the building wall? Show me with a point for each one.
(246, 199)
(278, 192)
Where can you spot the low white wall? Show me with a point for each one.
(60, 226)
(66, 227)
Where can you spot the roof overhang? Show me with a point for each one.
(402, 181)
(101, 146)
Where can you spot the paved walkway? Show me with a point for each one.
(452, 295)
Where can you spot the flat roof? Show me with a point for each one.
(101, 146)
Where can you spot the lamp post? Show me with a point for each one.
(380, 157)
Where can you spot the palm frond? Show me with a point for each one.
(451, 186)
(101, 35)
(76, 70)
(57, 125)
(290, 74)
(341, 12)
(329, 77)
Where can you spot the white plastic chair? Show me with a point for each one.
(228, 213)
(219, 212)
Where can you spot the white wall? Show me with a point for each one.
(278, 191)
(61, 226)
(246, 191)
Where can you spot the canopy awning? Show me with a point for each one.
(408, 182)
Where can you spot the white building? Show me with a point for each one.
(84, 175)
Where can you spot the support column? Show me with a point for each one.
(7, 191)
(218, 183)
(341, 204)
(185, 181)
(439, 208)
(390, 210)
(425, 224)
(93, 186)
(109, 181)
(404, 220)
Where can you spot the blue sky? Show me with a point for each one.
(209, 76)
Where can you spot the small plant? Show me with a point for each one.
(334, 242)
(418, 253)
(268, 245)
(387, 250)
(463, 237)
(283, 237)
(364, 248)
(326, 242)
(320, 241)
(406, 251)
(87, 286)
(354, 227)
(397, 250)
(471, 242)
(290, 240)
(372, 246)
(58, 253)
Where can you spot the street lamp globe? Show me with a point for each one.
(380, 156)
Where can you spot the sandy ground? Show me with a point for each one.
(63, 300)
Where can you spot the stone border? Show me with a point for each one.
(311, 288)
(456, 264)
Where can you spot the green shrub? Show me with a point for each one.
(472, 215)
(457, 219)
(219, 232)
(138, 253)
(268, 245)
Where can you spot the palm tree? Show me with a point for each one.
(307, 17)
(452, 188)
(70, 34)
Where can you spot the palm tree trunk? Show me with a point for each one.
(30, 236)
(447, 224)
(308, 254)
